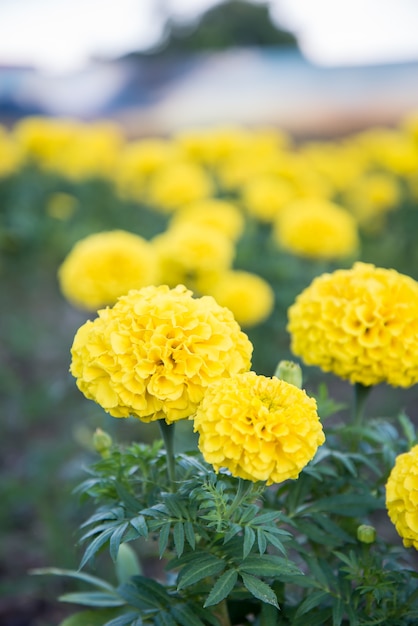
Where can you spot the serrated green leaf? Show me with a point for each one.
(233, 530)
(92, 598)
(198, 569)
(178, 537)
(190, 536)
(259, 589)
(140, 525)
(275, 541)
(408, 429)
(88, 578)
(163, 538)
(261, 541)
(115, 540)
(249, 514)
(313, 600)
(345, 504)
(125, 620)
(144, 593)
(95, 545)
(222, 588)
(249, 540)
(338, 610)
(127, 498)
(268, 565)
(175, 506)
(185, 616)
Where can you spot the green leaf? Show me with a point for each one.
(92, 598)
(222, 588)
(95, 545)
(140, 525)
(164, 619)
(127, 564)
(249, 539)
(115, 540)
(88, 578)
(144, 593)
(185, 616)
(259, 589)
(261, 541)
(313, 600)
(268, 565)
(190, 536)
(345, 504)
(198, 569)
(163, 538)
(337, 612)
(408, 429)
(178, 536)
(127, 498)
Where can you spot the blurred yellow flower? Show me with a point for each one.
(43, 140)
(104, 266)
(10, 157)
(316, 229)
(264, 196)
(155, 352)
(178, 184)
(188, 251)
(248, 296)
(138, 161)
(371, 196)
(220, 215)
(211, 146)
(258, 428)
(361, 324)
(402, 497)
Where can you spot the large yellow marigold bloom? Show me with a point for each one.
(361, 324)
(154, 353)
(402, 497)
(316, 229)
(104, 266)
(258, 428)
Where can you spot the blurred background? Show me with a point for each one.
(316, 70)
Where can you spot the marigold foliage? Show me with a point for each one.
(154, 353)
(258, 428)
(104, 266)
(361, 324)
(402, 497)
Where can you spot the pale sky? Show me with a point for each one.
(61, 36)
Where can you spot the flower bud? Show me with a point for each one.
(366, 533)
(102, 442)
(290, 372)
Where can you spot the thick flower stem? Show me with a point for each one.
(221, 612)
(360, 396)
(167, 433)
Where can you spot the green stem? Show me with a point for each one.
(167, 433)
(360, 396)
(221, 612)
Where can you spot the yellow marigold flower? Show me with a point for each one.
(316, 229)
(258, 428)
(248, 296)
(155, 352)
(371, 196)
(264, 196)
(361, 324)
(212, 145)
(402, 497)
(44, 140)
(188, 251)
(213, 213)
(104, 266)
(10, 158)
(177, 184)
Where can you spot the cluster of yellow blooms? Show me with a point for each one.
(160, 353)
(402, 497)
(361, 324)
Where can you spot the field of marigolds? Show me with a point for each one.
(247, 305)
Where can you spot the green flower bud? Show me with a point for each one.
(366, 534)
(102, 442)
(290, 372)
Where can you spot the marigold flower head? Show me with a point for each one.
(188, 251)
(264, 196)
(104, 266)
(361, 324)
(155, 352)
(402, 497)
(177, 184)
(316, 229)
(221, 215)
(248, 296)
(258, 428)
